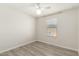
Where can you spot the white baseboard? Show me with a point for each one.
(34, 41)
(59, 46)
(28, 42)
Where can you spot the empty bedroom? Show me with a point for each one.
(39, 29)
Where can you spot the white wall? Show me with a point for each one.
(16, 28)
(78, 31)
(66, 30)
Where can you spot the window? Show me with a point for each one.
(52, 24)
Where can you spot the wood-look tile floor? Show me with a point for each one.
(39, 49)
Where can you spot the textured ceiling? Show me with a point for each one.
(49, 8)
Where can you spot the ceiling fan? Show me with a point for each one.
(39, 9)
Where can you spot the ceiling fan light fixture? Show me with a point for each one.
(38, 11)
